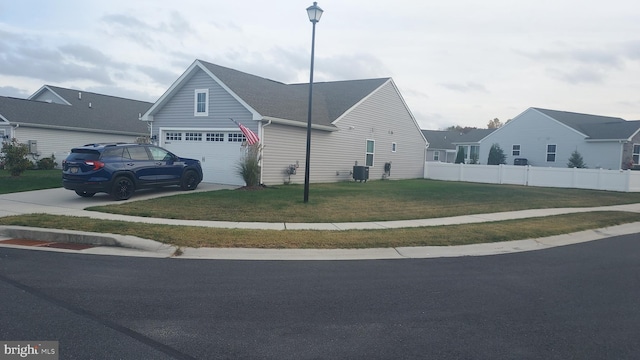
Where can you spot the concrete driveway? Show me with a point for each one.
(60, 201)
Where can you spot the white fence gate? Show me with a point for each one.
(596, 179)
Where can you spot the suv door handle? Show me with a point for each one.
(159, 163)
(130, 164)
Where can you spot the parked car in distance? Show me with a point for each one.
(119, 169)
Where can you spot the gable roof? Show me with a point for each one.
(448, 139)
(595, 127)
(272, 99)
(106, 114)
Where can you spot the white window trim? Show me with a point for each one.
(373, 154)
(555, 153)
(394, 147)
(195, 102)
(635, 155)
(436, 155)
(513, 150)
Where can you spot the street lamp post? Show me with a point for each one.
(314, 12)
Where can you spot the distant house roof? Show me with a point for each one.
(89, 111)
(448, 139)
(278, 100)
(595, 127)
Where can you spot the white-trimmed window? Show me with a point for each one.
(193, 136)
(173, 136)
(216, 137)
(371, 147)
(636, 154)
(201, 102)
(515, 150)
(236, 137)
(394, 147)
(551, 153)
(3, 133)
(436, 155)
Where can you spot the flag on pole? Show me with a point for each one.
(251, 137)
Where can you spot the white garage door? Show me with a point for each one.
(219, 152)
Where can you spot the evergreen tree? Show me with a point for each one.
(460, 156)
(576, 160)
(496, 155)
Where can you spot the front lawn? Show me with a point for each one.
(371, 201)
(30, 180)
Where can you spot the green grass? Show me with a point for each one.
(191, 236)
(371, 201)
(340, 202)
(30, 180)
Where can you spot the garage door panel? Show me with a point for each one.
(219, 159)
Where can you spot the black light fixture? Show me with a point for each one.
(315, 13)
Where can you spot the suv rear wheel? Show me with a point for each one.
(123, 188)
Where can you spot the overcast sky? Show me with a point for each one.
(456, 62)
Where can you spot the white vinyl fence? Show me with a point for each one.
(597, 179)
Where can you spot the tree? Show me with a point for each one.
(460, 156)
(494, 124)
(14, 157)
(496, 155)
(460, 129)
(576, 160)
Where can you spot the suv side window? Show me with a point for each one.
(159, 154)
(113, 154)
(138, 153)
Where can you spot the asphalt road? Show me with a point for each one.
(573, 302)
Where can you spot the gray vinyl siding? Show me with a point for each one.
(60, 142)
(179, 111)
(533, 131)
(383, 117)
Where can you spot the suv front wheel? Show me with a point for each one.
(189, 180)
(123, 188)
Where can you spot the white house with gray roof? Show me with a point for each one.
(444, 144)
(549, 137)
(358, 121)
(53, 120)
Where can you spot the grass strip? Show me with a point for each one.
(190, 236)
(357, 202)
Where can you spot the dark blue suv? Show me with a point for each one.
(119, 169)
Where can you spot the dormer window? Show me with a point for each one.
(201, 102)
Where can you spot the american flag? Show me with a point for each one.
(252, 138)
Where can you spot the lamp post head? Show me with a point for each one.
(315, 12)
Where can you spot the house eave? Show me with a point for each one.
(287, 122)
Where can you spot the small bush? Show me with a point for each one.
(48, 163)
(14, 157)
(249, 165)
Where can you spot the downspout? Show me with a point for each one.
(261, 158)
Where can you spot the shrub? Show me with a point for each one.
(249, 165)
(576, 160)
(460, 156)
(14, 157)
(496, 155)
(48, 163)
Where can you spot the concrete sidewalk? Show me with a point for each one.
(63, 202)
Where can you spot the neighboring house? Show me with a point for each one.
(444, 144)
(549, 137)
(54, 119)
(360, 121)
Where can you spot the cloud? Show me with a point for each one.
(466, 87)
(582, 75)
(11, 91)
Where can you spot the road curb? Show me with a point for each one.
(88, 238)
